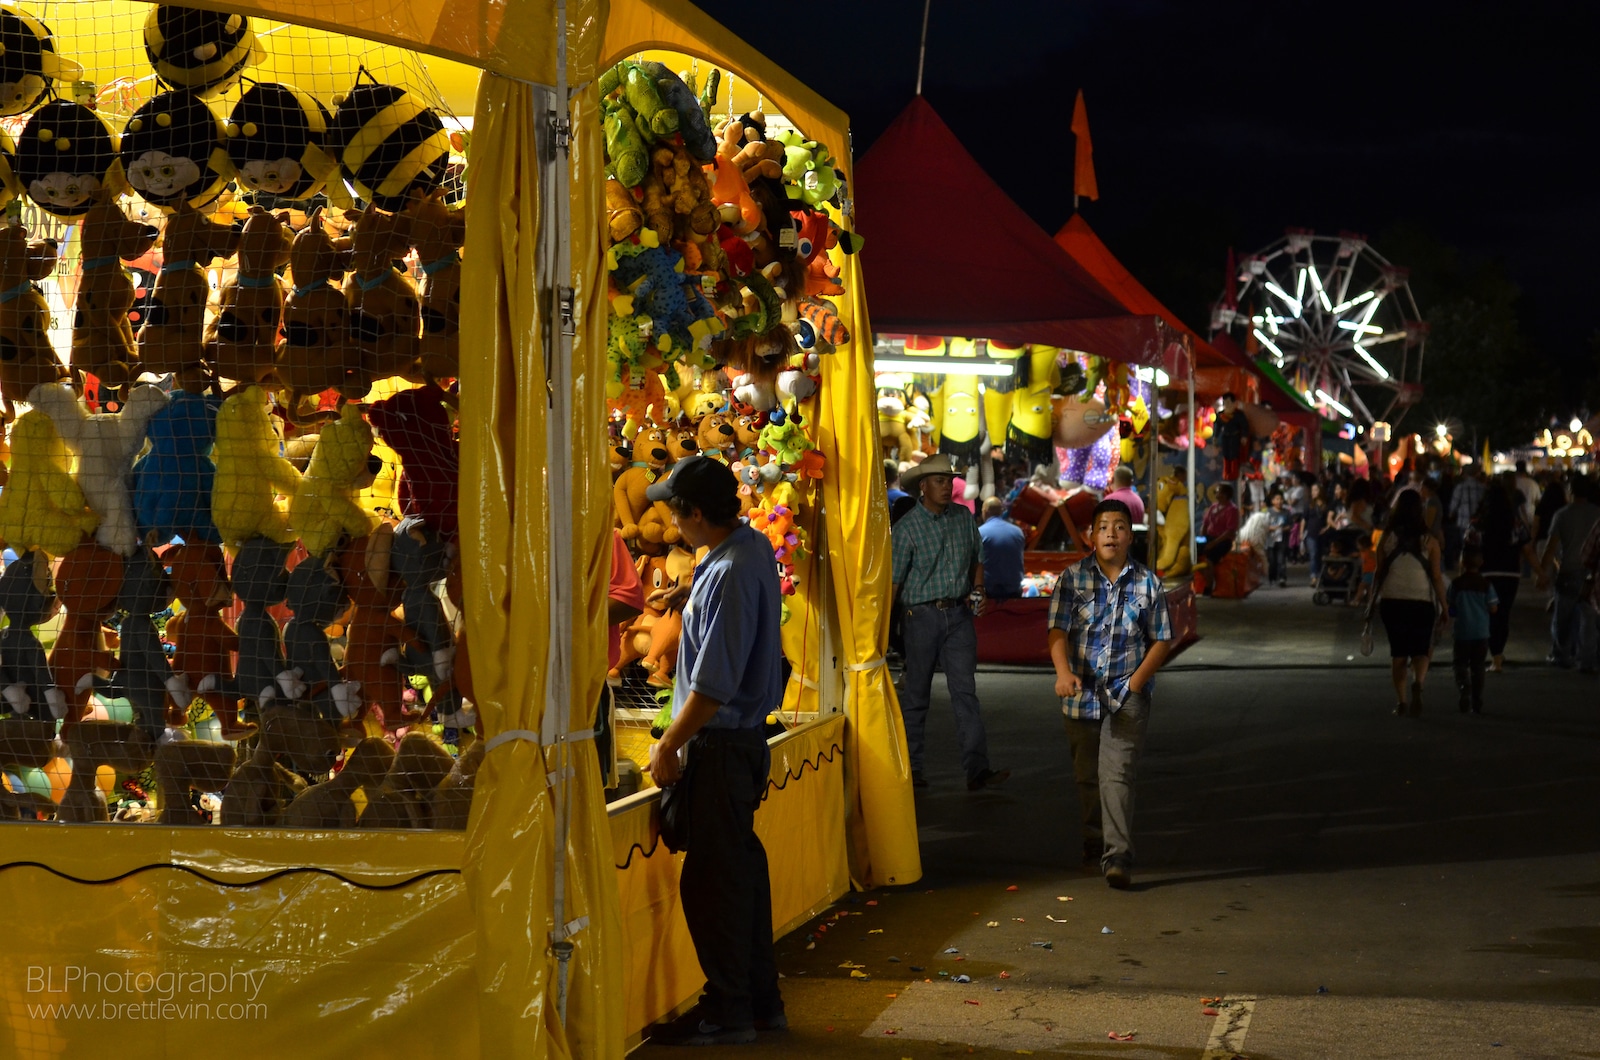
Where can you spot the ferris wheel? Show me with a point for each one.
(1336, 317)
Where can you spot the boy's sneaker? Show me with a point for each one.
(779, 1021)
(1118, 876)
(704, 1033)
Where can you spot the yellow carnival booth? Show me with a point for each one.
(550, 926)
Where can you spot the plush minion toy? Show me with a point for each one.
(204, 52)
(65, 156)
(28, 62)
(172, 152)
(388, 141)
(275, 139)
(10, 187)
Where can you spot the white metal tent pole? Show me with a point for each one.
(560, 329)
(922, 49)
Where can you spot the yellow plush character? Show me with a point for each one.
(42, 506)
(251, 475)
(324, 507)
(1172, 501)
(959, 422)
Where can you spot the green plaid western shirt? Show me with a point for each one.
(934, 554)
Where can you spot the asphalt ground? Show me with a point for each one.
(1316, 878)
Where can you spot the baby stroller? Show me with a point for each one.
(1338, 573)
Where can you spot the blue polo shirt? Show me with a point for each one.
(730, 649)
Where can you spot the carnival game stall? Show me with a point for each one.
(315, 328)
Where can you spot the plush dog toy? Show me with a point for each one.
(160, 700)
(172, 481)
(28, 600)
(250, 475)
(376, 642)
(105, 444)
(102, 335)
(422, 559)
(263, 678)
(650, 457)
(203, 643)
(317, 598)
(172, 334)
(27, 357)
(437, 233)
(242, 342)
(419, 425)
(331, 803)
(42, 506)
(262, 787)
(317, 353)
(88, 583)
(324, 509)
(386, 314)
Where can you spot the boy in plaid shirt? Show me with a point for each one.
(1109, 634)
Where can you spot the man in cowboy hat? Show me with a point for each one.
(938, 588)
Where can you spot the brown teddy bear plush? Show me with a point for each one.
(172, 337)
(27, 358)
(386, 314)
(102, 335)
(242, 342)
(438, 232)
(317, 352)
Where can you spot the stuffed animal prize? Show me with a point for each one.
(388, 141)
(28, 62)
(275, 137)
(203, 51)
(172, 151)
(65, 157)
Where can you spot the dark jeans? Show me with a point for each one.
(1313, 552)
(1470, 658)
(934, 635)
(1505, 588)
(727, 894)
(1573, 637)
(1278, 561)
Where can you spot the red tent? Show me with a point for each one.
(950, 254)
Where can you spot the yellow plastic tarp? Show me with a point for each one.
(508, 517)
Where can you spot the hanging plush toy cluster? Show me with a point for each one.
(724, 242)
(239, 490)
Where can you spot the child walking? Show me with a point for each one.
(1471, 599)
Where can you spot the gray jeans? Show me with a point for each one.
(1105, 757)
(934, 635)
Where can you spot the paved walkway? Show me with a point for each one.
(1343, 883)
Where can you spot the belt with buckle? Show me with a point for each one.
(946, 603)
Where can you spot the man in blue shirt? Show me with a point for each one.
(1003, 545)
(729, 677)
(1109, 634)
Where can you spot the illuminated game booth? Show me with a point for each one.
(336, 351)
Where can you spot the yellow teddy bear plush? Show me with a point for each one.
(324, 507)
(42, 506)
(251, 474)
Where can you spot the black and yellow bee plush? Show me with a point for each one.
(201, 51)
(10, 186)
(388, 141)
(65, 156)
(275, 136)
(28, 62)
(172, 151)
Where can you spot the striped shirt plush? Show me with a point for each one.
(934, 554)
(1109, 627)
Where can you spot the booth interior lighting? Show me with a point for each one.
(942, 366)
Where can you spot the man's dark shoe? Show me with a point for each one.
(918, 781)
(989, 778)
(1118, 876)
(705, 1033)
(779, 1021)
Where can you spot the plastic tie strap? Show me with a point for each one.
(509, 735)
(870, 664)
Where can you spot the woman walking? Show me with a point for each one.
(1409, 589)
(1507, 541)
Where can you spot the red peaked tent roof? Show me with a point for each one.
(993, 273)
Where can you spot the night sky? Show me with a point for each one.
(1225, 123)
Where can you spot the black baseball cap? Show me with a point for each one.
(705, 483)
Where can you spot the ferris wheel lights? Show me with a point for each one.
(1300, 286)
(1269, 344)
(1372, 362)
(1352, 303)
(1289, 300)
(1365, 329)
(1329, 400)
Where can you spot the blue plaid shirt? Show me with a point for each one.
(1109, 627)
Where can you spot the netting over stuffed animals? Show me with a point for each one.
(228, 322)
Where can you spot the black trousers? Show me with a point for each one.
(1505, 587)
(727, 894)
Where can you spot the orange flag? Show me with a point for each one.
(1083, 182)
